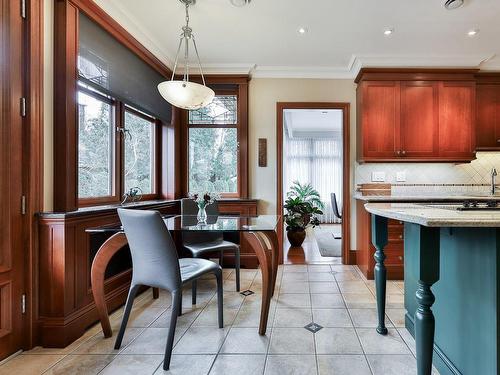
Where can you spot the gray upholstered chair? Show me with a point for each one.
(336, 211)
(156, 264)
(203, 242)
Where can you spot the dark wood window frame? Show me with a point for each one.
(241, 91)
(119, 109)
(66, 109)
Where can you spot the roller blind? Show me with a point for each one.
(109, 66)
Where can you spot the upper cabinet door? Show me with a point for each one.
(419, 116)
(488, 117)
(457, 103)
(380, 119)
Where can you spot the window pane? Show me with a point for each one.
(95, 147)
(222, 111)
(213, 160)
(139, 151)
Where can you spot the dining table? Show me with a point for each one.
(258, 230)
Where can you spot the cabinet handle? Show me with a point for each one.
(398, 152)
(400, 257)
(498, 140)
(400, 236)
(403, 152)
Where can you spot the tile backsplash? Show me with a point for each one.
(475, 173)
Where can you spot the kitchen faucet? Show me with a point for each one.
(493, 175)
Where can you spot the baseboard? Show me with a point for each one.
(352, 257)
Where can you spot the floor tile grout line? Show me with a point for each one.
(357, 335)
(231, 327)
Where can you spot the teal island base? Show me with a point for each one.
(467, 335)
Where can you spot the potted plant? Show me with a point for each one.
(302, 206)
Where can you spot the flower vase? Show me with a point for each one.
(202, 214)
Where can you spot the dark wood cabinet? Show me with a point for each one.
(394, 251)
(488, 112)
(407, 115)
(419, 114)
(457, 102)
(380, 119)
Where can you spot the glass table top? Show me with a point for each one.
(221, 223)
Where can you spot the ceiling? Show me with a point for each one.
(342, 36)
(320, 123)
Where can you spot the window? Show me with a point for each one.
(139, 151)
(111, 132)
(213, 147)
(95, 145)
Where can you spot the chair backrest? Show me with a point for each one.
(190, 207)
(154, 256)
(335, 206)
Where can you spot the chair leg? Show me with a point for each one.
(220, 304)
(126, 314)
(221, 259)
(237, 266)
(176, 304)
(193, 292)
(179, 302)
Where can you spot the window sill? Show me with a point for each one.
(108, 208)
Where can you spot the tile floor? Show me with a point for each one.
(335, 297)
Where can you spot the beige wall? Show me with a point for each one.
(48, 118)
(263, 96)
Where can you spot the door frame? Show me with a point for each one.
(347, 258)
(30, 84)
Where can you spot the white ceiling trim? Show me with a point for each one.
(357, 61)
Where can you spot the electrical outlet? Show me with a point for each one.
(378, 176)
(401, 176)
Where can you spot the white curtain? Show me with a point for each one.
(317, 161)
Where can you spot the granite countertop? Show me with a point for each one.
(435, 215)
(424, 197)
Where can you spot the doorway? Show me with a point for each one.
(313, 153)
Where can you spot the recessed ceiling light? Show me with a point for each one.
(473, 32)
(240, 3)
(453, 4)
(388, 31)
(302, 30)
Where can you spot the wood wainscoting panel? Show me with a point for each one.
(66, 304)
(240, 207)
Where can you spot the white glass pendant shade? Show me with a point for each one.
(185, 94)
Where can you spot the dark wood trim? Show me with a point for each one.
(241, 90)
(65, 106)
(488, 78)
(415, 74)
(33, 162)
(346, 194)
(98, 15)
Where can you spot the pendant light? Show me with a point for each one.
(185, 94)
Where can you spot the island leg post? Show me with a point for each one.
(428, 274)
(379, 240)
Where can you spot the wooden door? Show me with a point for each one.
(11, 239)
(380, 119)
(488, 117)
(419, 119)
(457, 103)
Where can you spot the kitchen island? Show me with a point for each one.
(451, 283)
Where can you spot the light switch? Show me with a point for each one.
(378, 176)
(401, 176)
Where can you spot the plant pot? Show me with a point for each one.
(296, 237)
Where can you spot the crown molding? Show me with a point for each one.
(356, 62)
